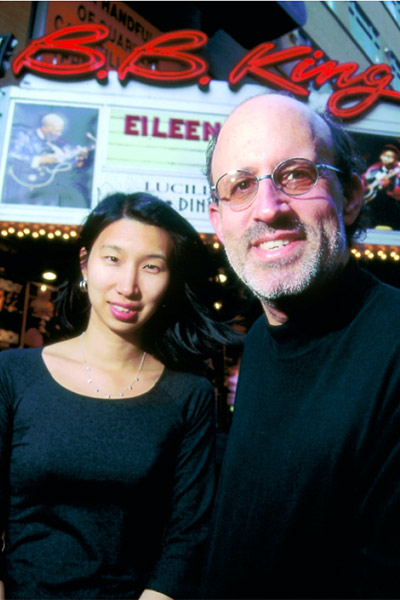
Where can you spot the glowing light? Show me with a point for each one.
(49, 275)
(217, 305)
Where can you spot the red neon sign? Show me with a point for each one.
(171, 46)
(364, 89)
(75, 41)
(353, 93)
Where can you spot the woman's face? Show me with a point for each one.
(127, 274)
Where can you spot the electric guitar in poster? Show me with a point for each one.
(63, 160)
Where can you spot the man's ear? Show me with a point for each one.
(216, 221)
(83, 258)
(353, 200)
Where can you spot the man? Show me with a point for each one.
(43, 168)
(309, 496)
(382, 189)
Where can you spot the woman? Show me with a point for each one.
(106, 439)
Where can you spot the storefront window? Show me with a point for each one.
(394, 8)
(395, 67)
(365, 33)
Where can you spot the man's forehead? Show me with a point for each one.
(275, 121)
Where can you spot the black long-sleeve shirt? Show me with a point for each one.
(102, 498)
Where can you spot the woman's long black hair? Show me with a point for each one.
(185, 330)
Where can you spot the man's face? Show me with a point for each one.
(52, 129)
(388, 158)
(279, 245)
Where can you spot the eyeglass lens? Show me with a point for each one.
(294, 176)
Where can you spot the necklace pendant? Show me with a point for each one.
(90, 380)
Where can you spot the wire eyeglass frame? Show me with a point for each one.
(314, 172)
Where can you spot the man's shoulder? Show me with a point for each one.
(384, 296)
(378, 314)
(257, 329)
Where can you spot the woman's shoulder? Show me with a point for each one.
(19, 357)
(187, 381)
(192, 394)
(18, 367)
(187, 377)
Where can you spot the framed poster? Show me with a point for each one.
(50, 156)
(381, 179)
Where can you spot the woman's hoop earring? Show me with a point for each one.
(83, 285)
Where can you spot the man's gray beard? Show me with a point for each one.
(317, 267)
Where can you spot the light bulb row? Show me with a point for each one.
(39, 232)
(379, 253)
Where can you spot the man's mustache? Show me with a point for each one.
(283, 223)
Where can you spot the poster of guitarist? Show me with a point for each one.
(51, 163)
(381, 183)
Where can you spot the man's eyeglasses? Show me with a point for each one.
(293, 176)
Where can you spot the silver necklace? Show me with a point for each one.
(96, 387)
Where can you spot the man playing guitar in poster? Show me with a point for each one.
(382, 188)
(36, 159)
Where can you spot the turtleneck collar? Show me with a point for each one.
(331, 312)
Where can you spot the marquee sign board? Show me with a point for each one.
(353, 93)
(145, 139)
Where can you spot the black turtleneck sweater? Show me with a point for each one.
(309, 498)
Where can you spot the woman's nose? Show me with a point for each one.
(128, 283)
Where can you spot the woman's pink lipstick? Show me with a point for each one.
(122, 312)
